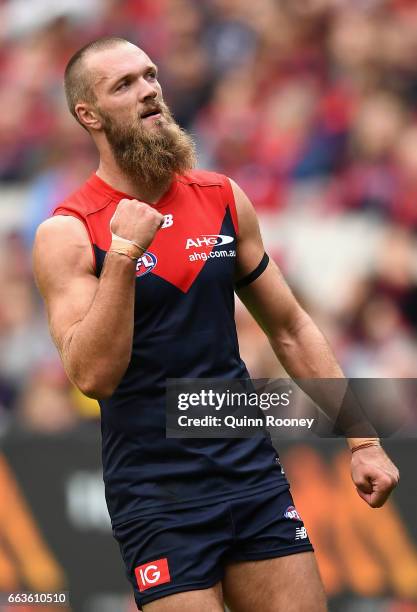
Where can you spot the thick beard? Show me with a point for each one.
(150, 157)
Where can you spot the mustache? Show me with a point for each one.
(150, 110)
(153, 109)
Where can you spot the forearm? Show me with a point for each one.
(303, 350)
(96, 350)
(305, 354)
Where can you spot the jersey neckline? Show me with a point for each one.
(104, 188)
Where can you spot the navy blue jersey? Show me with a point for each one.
(184, 327)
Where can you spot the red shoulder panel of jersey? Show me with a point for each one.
(85, 201)
(205, 178)
(82, 203)
(195, 206)
(196, 215)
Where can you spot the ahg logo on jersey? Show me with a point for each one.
(208, 240)
(153, 573)
(146, 263)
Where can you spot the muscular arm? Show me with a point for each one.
(91, 320)
(301, 347)
(294, 337)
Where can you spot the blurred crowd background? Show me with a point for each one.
(310, 105)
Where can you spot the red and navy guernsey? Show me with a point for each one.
(184, 327)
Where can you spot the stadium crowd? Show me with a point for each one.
(310, 105)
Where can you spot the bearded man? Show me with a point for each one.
(199, 521)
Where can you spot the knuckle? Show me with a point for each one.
(361, 480)
(124, 202)
(388, 482)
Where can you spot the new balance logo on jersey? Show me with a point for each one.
(153, 573)
(300, 533)
(146, 263)
(208, 240)
(168, 221)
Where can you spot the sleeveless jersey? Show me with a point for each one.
(184, 327)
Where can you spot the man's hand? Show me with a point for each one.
(136, 221)
(374, 475)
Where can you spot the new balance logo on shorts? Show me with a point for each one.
(151, 574)
(300, 533)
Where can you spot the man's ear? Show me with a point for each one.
(88, 116)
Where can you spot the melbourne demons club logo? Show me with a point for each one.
(291, 513)
(153, 573)
(146, 263)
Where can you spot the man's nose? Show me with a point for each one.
(147, 90)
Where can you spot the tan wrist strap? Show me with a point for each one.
(123, 252)
(126, 247)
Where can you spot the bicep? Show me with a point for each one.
(63, 268)
(250, 248)
(268, 298)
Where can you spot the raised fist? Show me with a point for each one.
(374, 475)
(136, 221)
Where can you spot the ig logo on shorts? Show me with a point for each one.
(153, 573)
(146, 263)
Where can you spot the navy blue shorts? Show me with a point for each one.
(184, 550)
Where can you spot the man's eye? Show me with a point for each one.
(122, 85)
(153, 75)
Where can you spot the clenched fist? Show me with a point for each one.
(374, 475)
(136, 221)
